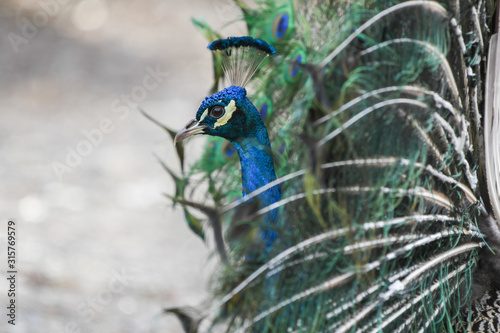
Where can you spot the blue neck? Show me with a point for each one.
(257, 170)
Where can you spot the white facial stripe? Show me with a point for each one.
(203, 115)
(230, 108)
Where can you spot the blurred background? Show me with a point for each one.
(99, 247)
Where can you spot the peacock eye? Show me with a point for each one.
(217, 111)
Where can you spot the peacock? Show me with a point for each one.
(351, 176)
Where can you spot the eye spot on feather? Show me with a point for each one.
(228, 150)
(295, 66)
(280, 25)
(264, 106)
(263, 111)
(293, 72)
(230, 108)
(282, 148)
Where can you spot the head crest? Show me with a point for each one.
(240, 57)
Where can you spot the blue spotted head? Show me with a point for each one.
(229, 113)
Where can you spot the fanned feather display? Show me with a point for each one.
(383, 123)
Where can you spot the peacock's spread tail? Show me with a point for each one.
(369, 200)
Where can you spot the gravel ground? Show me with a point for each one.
(99, 248)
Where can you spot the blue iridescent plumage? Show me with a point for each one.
(245, 129)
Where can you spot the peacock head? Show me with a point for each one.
(229, 113)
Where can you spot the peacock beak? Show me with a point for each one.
(192, 128)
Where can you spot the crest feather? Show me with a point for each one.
(240, 57)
